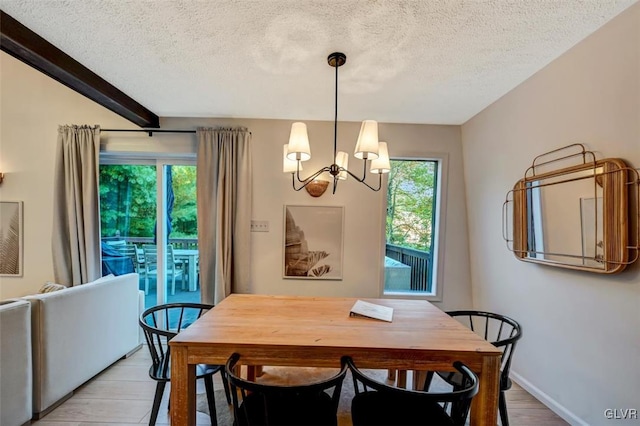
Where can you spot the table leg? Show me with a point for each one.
(391, 374)
(484, 407)
(418, 379)
(402, 379)
(192, 273)
(183, 388)
(253, 372)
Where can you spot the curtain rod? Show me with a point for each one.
(150, 131)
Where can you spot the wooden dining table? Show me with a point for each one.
(318, 331)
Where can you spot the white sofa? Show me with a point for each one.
(15, 362)
(78, 332)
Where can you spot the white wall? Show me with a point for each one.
(33, 105)
(581, 344)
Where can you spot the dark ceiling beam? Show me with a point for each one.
(27, 46)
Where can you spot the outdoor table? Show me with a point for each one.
(190, 256)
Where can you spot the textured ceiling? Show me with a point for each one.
(438, 62)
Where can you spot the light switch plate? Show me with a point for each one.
(259, 226)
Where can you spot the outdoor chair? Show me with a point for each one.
(262, 404)
(503, 332)
(140, 258)
(160, 324)
(131, 251)
(376, 403)
(181, 262)
(151, 266)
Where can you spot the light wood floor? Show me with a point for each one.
(123, 395)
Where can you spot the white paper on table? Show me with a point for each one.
(371, 310)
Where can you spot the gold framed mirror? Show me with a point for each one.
(581, 216)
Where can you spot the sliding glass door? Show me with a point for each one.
(149, 226)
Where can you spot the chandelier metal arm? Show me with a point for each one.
(362, 180)
(307, 180)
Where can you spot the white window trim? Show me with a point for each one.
(437, 255)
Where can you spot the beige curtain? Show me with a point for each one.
(224, 211)
(76, 206)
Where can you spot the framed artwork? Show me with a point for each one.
(313, 242)
(11, 236)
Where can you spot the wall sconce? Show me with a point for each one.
(1, 177)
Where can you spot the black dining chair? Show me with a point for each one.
(160, 324)
(376, 403)
(257, 403)
(503, 332)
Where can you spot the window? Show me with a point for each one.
(139, 200)
(414, 208)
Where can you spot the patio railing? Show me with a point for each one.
(178, 243)
(420, 262)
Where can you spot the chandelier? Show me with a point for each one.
(368, 149)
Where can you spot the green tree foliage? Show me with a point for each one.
(184, 222)
(128, 201)
(410, 203)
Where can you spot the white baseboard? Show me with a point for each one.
(551, 403)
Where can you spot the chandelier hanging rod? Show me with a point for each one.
(336, 62)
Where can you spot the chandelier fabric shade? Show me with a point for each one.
(381, 164)
(368, 148)
(299, 148)
(367, 145)
(289, 165)
(342, 160)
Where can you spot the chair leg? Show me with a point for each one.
(456, 415)
(502, 407)
(427, 381)
(146, 284)
(211, 399)
(173, 283)
(225, 385)
(156, 402)
(184, 275)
